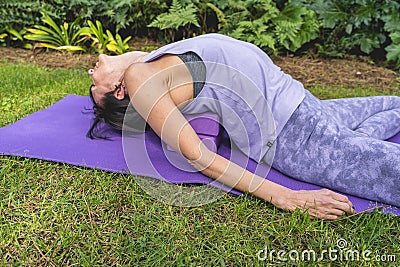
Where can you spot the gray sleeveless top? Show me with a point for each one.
(196, 68)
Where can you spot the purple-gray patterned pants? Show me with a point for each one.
(325, 142)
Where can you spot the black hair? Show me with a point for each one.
(112, 112)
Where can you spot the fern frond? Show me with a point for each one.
(177, 16)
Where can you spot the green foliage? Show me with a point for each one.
(117, 45)
(337, 27)
(68, 36)
(3, 38)
(17, 37)
(118, 14)
(352, 25)
(252, 22)
(60, 37)
(256, 32)
(18, 14)
(262, 23)
(295, 26)
(393, 50)
(392, 26)
(104, 41)
(177, 16)
(135, 14)
(99, 37)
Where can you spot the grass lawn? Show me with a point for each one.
(58, 215)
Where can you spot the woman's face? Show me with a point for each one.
(108, 73)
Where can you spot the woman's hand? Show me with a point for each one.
(322, 204)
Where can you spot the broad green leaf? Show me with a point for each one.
(393, 54)
(15, 33)
(71, 48)
(52, 33)
(49, 45)
(27, 46)
(48, 20)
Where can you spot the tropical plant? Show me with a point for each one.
(117, 45)
(179, 15)
(3, 37)
(104, 41)
(18, 14)
(60, 37)
(392, 26)
(357, 25)
(295, 25)
(393, 50)
(262, 23)
(132, 15)
(352, 26)
(258, 32)
(97, 35)
(18, 37)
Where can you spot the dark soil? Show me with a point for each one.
(310, 70)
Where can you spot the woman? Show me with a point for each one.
(333, 143)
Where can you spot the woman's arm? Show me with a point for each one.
(151, 98)
(324, 204)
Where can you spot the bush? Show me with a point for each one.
(133, 15)
(66, 36)
(262, 23)
(337, 27)
(115, 14)
(178, 16)
(18, 14)
(359, 26)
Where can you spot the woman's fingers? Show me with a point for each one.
(334, 200)
(337, 212)
(327, 214)
(320, 215)
(342, 198)
(324, 203)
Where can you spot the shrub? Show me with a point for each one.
(118, 14)
(104, 41)
(262, 23)
(61, 37)
(358, 26)
(13, 37)
(18, 14)
(337, 27)
(392, 26)
(178, 16)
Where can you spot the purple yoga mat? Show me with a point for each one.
(58, 134)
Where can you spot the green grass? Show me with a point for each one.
(58, 215)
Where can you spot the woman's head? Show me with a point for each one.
(109, 95)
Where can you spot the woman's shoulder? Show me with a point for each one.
(137, 73)
(161, 70)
